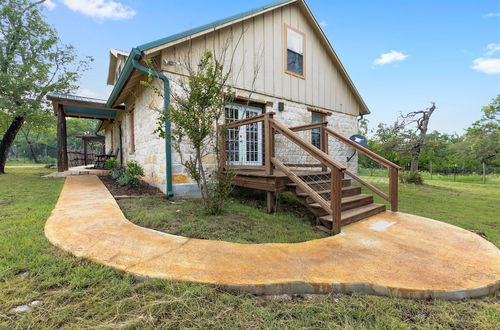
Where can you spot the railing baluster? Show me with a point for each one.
(336, 200)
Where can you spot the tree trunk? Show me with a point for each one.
(484, 172)
(8, 139)
(33, 153)
(414, 161)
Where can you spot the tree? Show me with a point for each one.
(196, 114)
(483, 137)
(33, 62)
(416, 142)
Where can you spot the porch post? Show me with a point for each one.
(62, 145)
(85, 152)
(268, 154)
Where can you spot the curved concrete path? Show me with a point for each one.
(391, 254)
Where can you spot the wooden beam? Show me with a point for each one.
(85, 152)
(336, 200)
(62, 146)
(270, 202)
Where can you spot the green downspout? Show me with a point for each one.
(136, 55)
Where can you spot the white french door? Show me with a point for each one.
(244, 143)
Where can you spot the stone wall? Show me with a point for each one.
(150, 149)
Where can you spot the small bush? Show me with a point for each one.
(116, 173)
(408, 177)
(130, 176)
(111, 164)
(134, 169)
(126, 180)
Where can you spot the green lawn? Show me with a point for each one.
(473, 206)
(241, 223)
(76, 293)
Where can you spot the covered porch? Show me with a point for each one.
(72, 106)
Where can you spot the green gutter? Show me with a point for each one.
(135, 56)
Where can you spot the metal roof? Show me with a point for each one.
(83, 107)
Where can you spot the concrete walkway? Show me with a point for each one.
(392, 254)
(78, 170)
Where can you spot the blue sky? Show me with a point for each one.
(446, 51)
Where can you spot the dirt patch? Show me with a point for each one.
(143, 190)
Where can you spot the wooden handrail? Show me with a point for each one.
(368, 185)
(248, 121)
(363, 150)
(312, 150)
(292, 176)
(308, 126)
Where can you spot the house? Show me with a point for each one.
(282, 65)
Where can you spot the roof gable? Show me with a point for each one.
(158, 45)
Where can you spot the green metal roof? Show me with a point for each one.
(77, 98)
(80, 106)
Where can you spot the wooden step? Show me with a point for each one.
(345, 183)
(346, 192)
(350, 202)
(356, 214)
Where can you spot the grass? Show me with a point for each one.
(76, 293)
(241, 223)
(471, 178)
(473, 206)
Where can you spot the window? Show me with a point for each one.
(295, 49)
(132, 131)
(316, 132)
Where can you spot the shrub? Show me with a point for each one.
(111, 164)
(409, 177)
(116, 173)
(134, 169)
(126, 180)
(130, 176)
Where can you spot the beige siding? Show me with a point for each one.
(262, 46)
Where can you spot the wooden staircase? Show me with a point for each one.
(355, 206)
(325, 193)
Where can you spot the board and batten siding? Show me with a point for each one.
(258, 45)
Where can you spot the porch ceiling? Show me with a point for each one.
(83, 107)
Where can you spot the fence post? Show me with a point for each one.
(393, 188)
(336, 200)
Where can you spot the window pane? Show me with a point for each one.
(295, 41)
(295, 63)
(295, 52)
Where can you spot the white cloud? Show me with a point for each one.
(101, 9)
(491, 15)
(49, 4)
(392, 56)
(487, 65)
(492, 49)
(323, 23)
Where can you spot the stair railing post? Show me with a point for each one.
(336, 200)
(393, 188)
(268, 144)
(324, 142)
(222, 147)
